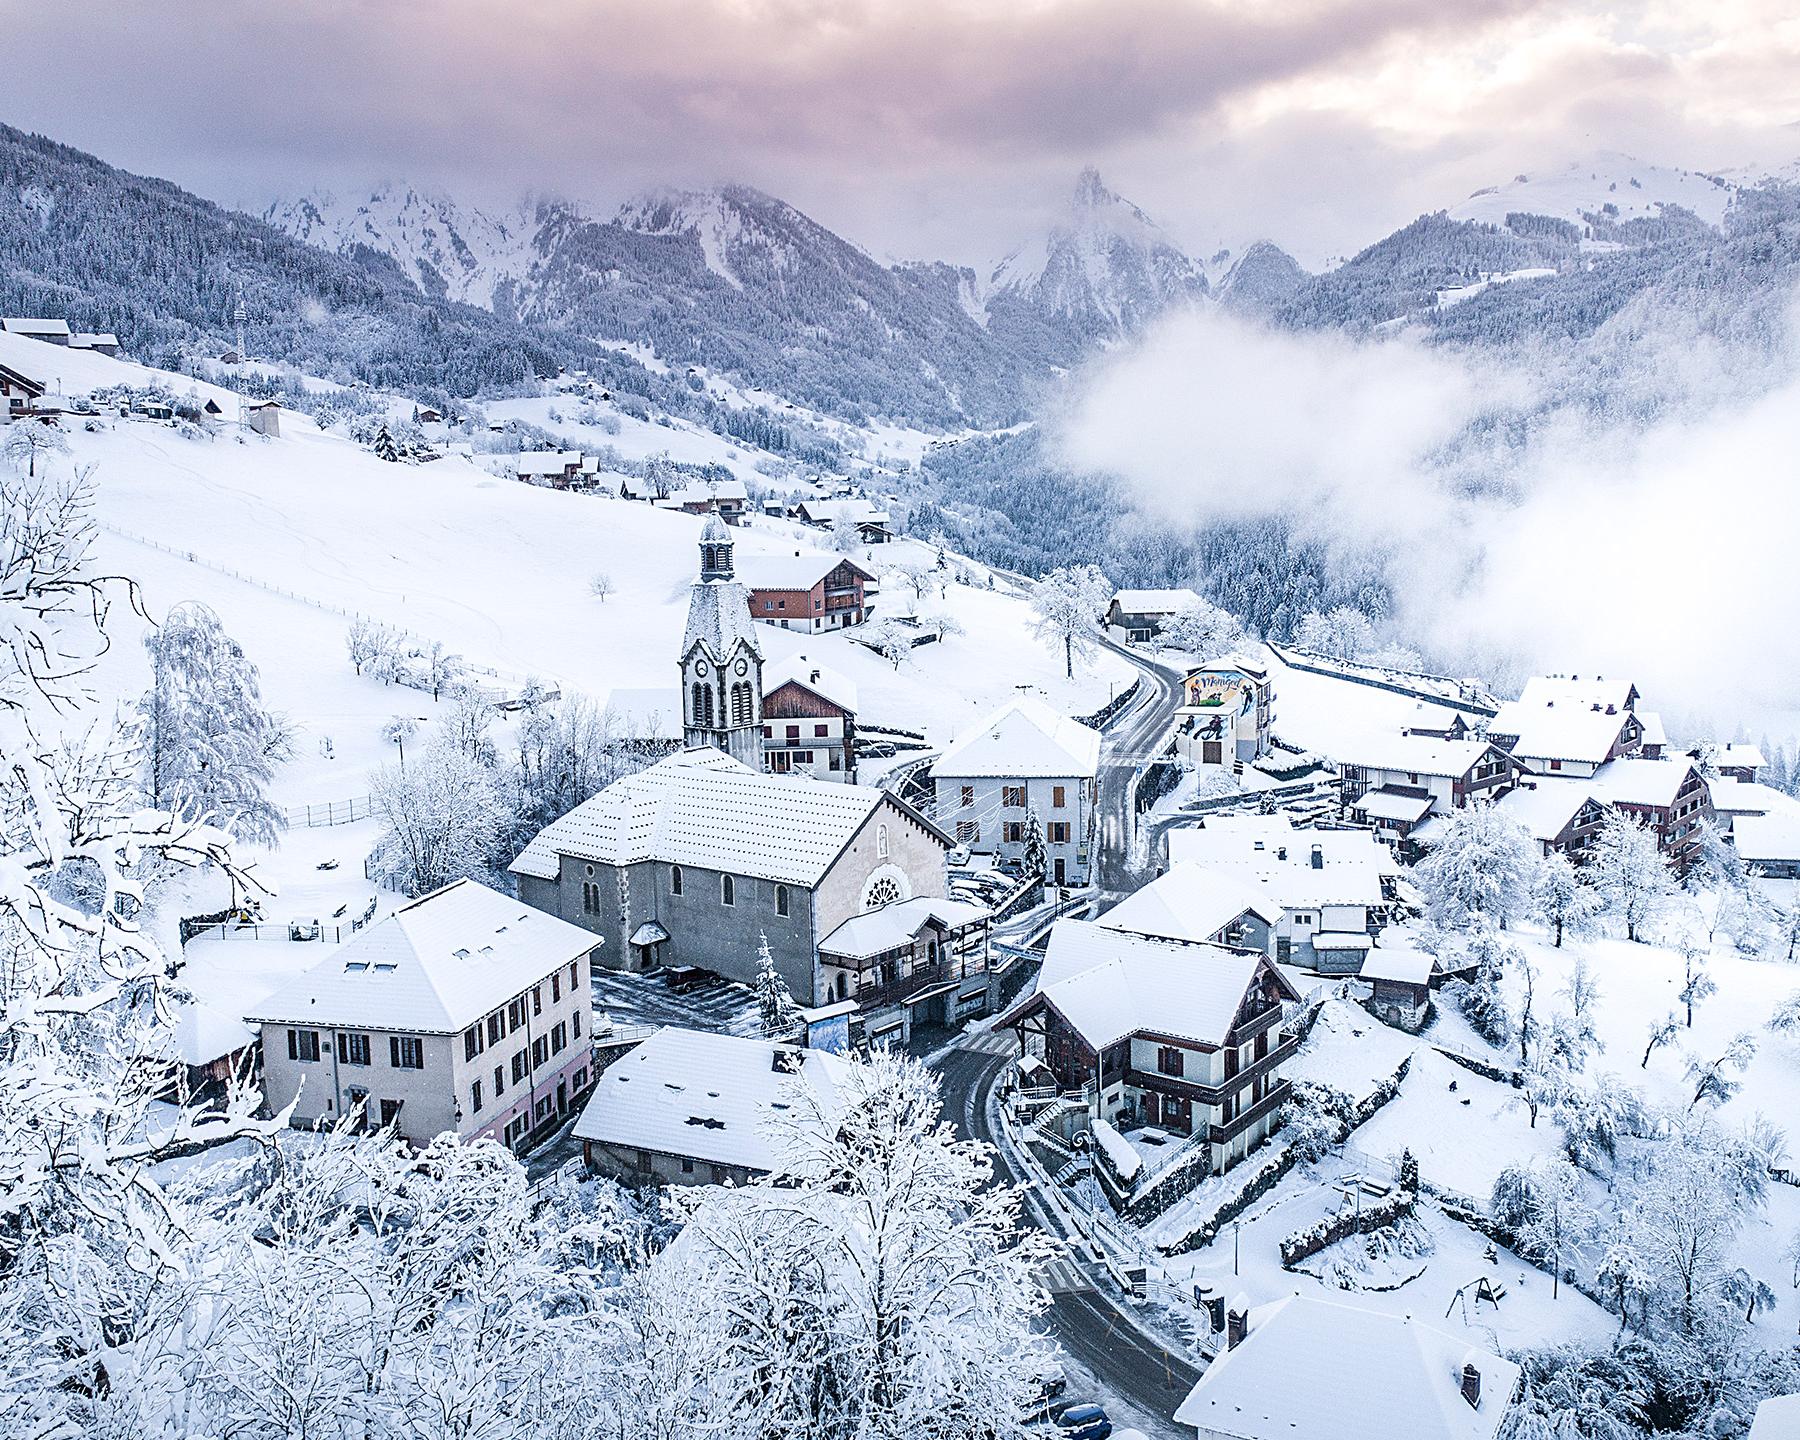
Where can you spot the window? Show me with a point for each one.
(537, 999)
(793, 732)
(581, 1079)
(472, 1041)
(781, 900)
(884, 891)
(559, 1038)
(1169, 1060)
(406, 1052)
(590, 898)
(521, 1066)
(687, 1165)
(574, 973)
(353, 1048)
(496, 1028)
(390, 1112)
(540, 1051)
(475, 1098)
(499, 1080)
(836, 761)
(1057, 796)
(555, 988)
(881, 841)
(303, 1044)
(1012, 796)
(515, 1014)
(1012, 832)
(1057, 832)
(727, 891)
(577, 1019)
(968, 795)
(1556, 764)
(1212, 752)
(674, 879)
(821, 731)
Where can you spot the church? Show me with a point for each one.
(699, 858)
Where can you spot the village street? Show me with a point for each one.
(1133, 737)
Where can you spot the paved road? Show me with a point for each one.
(1085, 1319)
(1134, 735)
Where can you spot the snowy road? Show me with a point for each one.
(1100, 1337)
(1134, 735)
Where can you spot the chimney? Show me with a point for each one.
(815, 676)
(1318, 857)
(1612, 709)
(1237, 1322)
(1280, 851)
(1471, 1384)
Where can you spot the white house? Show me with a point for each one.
(1564, 734)
(1023, 761)
(690, 1107)
(464, 1011)
(1447, 773)
(1227, 709)
(1201, 906)
(1300, 1368)
(1331, 885)
(809, 720)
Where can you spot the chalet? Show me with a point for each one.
(874, 526)
(915, 962)
(809, 721)
(1732, 800)
(698, 859)
(1201, 906)
(1333, 887)
(1186, 1038)
(264, 418)
(19, 393)
(464, 1011)
(559, 469)
(725, 497)
(690, 1107)
(1139, 615)
(427, 415)
(1770, 844)
(1562, 816)
(1668, 796)
(1735, 761)
(1399, 979)
(1226, 711)
(103, 342)
(1024, 764)
(51, 332)
(1302, 1367)
(1565, 737)
(1449, 773)
(809, 592)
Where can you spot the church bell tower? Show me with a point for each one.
(721, 662)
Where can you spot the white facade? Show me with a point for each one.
(991, 817)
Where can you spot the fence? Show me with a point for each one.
(330, 812)
(1452, 694)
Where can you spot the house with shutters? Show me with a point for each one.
(1153, 1032)
(697, 860)
(1334, 888)
(1227, 708)
(1302, 1367)
(465, 1011)
(809, 720)
(1024, 765)
(808, 592)
(1737, 760)
(1393, 776)
(19, 393)
(1669, 797)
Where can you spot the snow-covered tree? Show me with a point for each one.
(1033, 858)
(1203, 630)
(600, 585)
(1069, 604)
(1342, 633)
(1629, 873)
(363, 641)
(1784, 1019)
(888, 638)
(941, 623)
(30, 442)
(1545, 1206)
(845, 534)
(1481, 996)
(1661, 1032)
(211, 747)
(441, 668)
(1559, 898)
(383, 445)
(1716, 1078)
(1479, 871)
(775, 1002)
(466, 722)
(1697, 983)
(443, 817)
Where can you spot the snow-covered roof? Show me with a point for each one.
(702, 808)
(822, 680)
(1777, 1418)
(1386, 804)
(27, 325)
(1735, 755)
(1342, 940)
(799, 571)
(1155, 602)
(1652, 721)
(1109, 984)
(1750, 797)
(719, 617)
(1413, 754)
(1313, 1367)
(545, 462)
(91, 340)
(1765, 838)
(892, 926)
(709, 493)
(863, 512)
(1268, 852)
(648, 714)
(204, 1034)
(1190, 902)
(1578, 690)
(1641, 782)
(1544, 807)
(1023, 739)
(1561, 730)
(696, 1093)
(435, 966)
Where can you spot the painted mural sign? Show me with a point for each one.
(1227, 690)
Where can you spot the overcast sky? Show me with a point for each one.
(916, 127)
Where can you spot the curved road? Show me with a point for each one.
(1133, 737)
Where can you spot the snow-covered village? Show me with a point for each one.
(630, 811)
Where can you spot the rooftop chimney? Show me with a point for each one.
(1237, 1323)
(1280, 851)
(1318, 857)
(1471, 1384)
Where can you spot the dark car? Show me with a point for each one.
(1084, 1422)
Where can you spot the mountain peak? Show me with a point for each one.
(1090, 190)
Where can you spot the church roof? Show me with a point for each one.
(713, 530)
(719, 618)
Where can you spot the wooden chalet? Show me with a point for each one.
(809, 721)
(811, 592)
(19, 393)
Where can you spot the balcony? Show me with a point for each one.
(1244, 1119)
(918, 984)
(1214, 1094)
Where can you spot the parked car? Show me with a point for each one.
(1050, 1382)
(1084, 1422)
(958, 857)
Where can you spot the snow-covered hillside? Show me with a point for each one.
(1618, 186)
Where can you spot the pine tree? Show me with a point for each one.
(384, 446)
(1034, 844)
(781, 1018)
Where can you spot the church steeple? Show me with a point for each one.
(721, 662)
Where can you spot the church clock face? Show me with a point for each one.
(701, 669)
(743, 666)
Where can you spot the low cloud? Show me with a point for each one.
(1662, 549)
